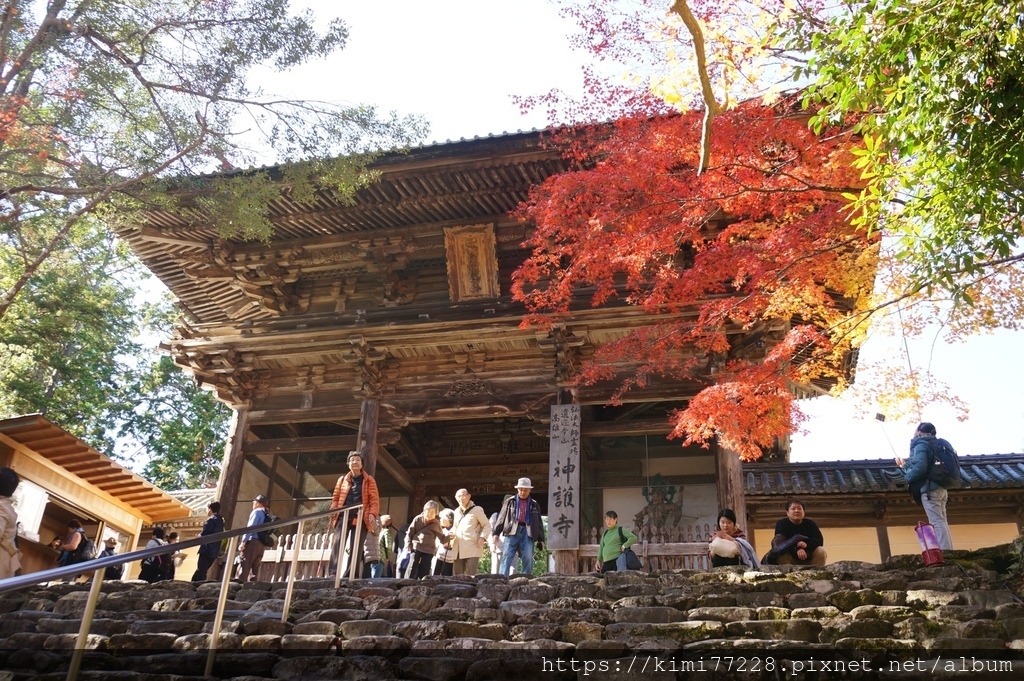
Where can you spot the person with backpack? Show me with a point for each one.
(614, 543)
(253, 546)
(930, 471)
(173, 559)
(114, 571)
(153, 567)
(75, 547)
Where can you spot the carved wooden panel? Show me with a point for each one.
(472, 262)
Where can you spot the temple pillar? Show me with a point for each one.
(366, 441)
(231, 471)
(729, 481)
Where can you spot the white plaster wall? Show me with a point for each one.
(699, 503)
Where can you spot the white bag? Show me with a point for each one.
(724, 548)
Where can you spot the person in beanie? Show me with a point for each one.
(933, 497)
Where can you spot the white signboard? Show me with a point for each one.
(564, 478)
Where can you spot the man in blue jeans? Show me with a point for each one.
(519, 525)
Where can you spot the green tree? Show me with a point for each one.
(70, 350)
(99, 98)
(939, 95)
(180, 429)
(66, 343)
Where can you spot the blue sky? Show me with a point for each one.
(459, 62)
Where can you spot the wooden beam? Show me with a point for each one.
(234, 457)
(291, 445)
(156, 236)
(884, 549)
(389, 464)
(311, 415)
(510, 472)
(369, 417)
(625, 428)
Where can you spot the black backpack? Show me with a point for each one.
(269, 537)
(944, 468)
(86, 549)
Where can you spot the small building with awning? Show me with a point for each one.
(62, 478)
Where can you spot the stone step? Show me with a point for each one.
(495, 627)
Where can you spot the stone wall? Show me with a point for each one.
(864, 616)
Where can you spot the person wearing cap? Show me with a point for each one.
(385, 567)
(251, 547)
(519, 526)
(113, 571)
(208, 552)
(353, 488)
(471, 530)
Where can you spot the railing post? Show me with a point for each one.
(357, 547)
(340, 548)
(296, 545)
(83, 630)
(222, 599)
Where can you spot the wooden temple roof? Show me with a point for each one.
(453, 183)
(403, 296)
(83, 464)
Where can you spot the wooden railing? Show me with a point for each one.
(680, 548)
(314, 556)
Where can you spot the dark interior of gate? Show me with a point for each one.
(639, 475)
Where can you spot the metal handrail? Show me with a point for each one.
(31, 579)
(98, 565)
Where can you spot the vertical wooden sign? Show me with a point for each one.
(564, 478)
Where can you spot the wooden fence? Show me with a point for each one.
(680, 548)
(314, 557)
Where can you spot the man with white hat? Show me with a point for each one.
(114, 571)
(519, 526)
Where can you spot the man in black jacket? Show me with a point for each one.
(807, 551)
(519, 525)
(114, 571)
(208, 552)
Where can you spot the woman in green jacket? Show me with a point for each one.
(614, 543)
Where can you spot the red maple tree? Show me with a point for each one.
(750, 269)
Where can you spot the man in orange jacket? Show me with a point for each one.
(355, 487)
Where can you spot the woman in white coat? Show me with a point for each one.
(471, 530)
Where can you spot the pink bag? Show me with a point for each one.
(929, 544)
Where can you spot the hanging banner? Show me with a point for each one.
(564, 478)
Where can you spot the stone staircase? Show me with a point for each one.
(488, 627)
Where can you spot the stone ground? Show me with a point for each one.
(847, 620)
